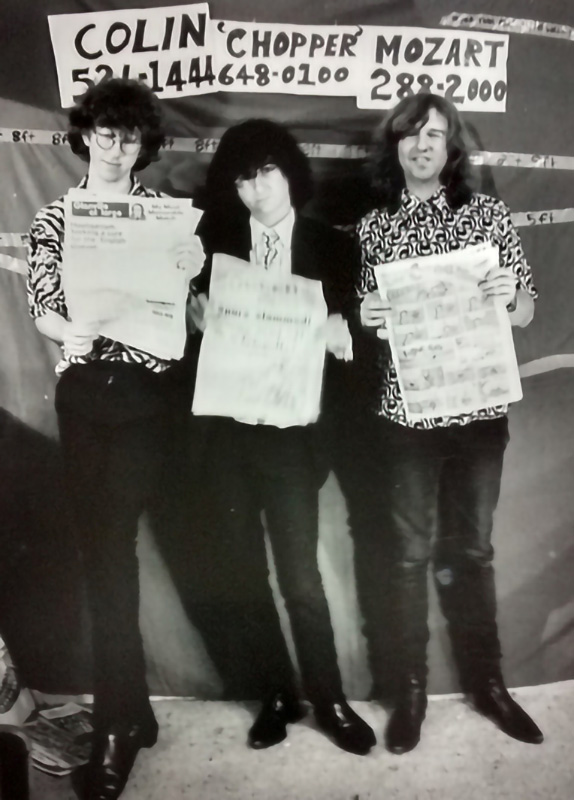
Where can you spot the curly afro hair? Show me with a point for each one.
(118, 103)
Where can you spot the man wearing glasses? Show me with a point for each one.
(116, 409)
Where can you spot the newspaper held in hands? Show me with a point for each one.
(126, 267)
(60, 738)
(452, 347)
(263, 349)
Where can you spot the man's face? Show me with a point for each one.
(424, 154)
(266, 195)
(113, 153)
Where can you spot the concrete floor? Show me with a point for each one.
(202, 754)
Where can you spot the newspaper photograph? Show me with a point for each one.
(125, 271)
(452, 346)
(263, 349)
(60, 738)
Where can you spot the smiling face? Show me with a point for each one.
(113, 154)
(423, 155)
(266, 195)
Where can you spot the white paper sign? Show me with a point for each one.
(466, 67)
(263, 349)
(126, 267)
(178, 51)
(452, 347)
(169, 48)
(289, 59)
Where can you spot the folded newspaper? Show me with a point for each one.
(60, 738)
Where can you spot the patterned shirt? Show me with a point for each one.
(422, 228)
(45, 292)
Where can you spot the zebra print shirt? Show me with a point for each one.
(44, 284)
(421, 228)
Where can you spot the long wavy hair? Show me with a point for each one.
(118, 103)
(406, 119)
(246, 148)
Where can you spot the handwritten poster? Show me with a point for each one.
(126, 267)
(468, 68)
(168, 48)
(452, 347)
(180, 51)
(263, 349)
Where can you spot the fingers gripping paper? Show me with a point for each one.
(452, 347)
(263, 350)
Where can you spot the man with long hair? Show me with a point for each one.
(438, 474)
(257, 183)
(117, 407)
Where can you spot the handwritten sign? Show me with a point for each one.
(179, 51)
(293, 59)
(469, 69)
(169, 48)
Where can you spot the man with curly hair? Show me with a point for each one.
(116, 409)
(438, 475)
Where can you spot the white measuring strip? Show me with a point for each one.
(508, 25)
(313, 150)
(546, 364)
(522, 219)
(13, 264)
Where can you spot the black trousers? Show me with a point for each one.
(430, 498)
(254, 468)
(117, 425)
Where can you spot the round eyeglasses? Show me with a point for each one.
(129, 142)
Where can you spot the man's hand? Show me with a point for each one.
(196, 309)
(339, 340)
(500, 283)
(375, 313)
(190, 256)
(78, 338)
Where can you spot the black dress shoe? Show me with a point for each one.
(404, 729)
(113, 755)
(270, 727)
(345, 727)
(493, 701)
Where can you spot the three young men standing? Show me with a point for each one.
(114, 405)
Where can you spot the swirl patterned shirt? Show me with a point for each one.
(422, 228)
(44, 285)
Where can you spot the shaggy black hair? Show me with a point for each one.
(246, 148)
(118, 103)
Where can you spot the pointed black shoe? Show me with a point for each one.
(345, 727)
(270, 727)
(403, 732)
(493, 701)
(113, 756)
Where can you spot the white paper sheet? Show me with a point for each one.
(263, 350)
(452, 347)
